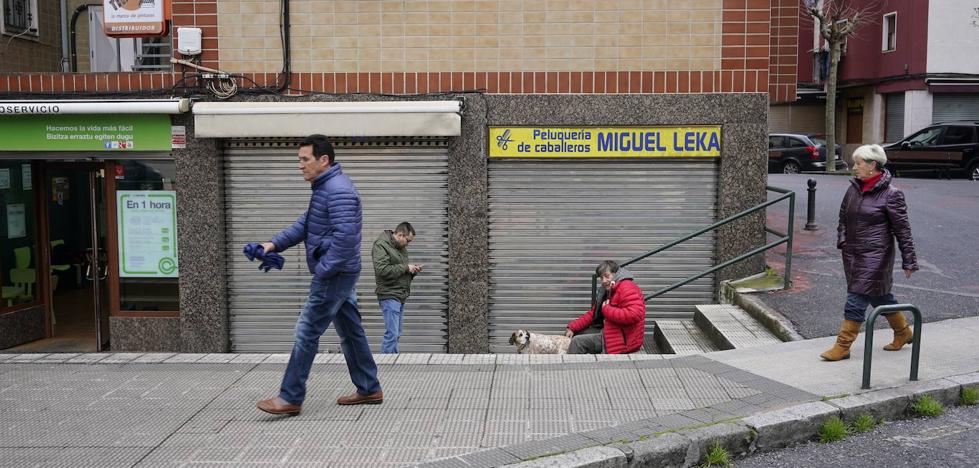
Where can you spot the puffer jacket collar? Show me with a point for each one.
(882, 184)
(326, 175)
(622, 274)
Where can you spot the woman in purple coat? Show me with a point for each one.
(872, 215)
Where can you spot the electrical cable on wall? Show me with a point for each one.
(222, 85)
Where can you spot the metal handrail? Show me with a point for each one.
(784, 238)
(868, 347)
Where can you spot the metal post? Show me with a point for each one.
(811, 206)
(868, 349)
(788, 243)
(96, 261)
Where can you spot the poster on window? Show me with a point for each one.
(134, 18)
(147, 233)
(60, 190)
(16, 221)
(25, 176)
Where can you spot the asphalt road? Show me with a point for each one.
(950, 440)
(944, 223)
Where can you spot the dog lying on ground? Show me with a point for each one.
(533, 343)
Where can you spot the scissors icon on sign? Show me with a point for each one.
(504, 139)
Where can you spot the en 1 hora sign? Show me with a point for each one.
(147, 233)
(135, 18)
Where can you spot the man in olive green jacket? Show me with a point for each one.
(393, 275)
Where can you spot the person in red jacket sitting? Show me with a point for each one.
(617, 324)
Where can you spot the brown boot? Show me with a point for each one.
(902, 332)
(355, 398)
(276, 405)
(841, 350)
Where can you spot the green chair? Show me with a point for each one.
(10, 293)
(23, 279)
(22, 257)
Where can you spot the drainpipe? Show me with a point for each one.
(65, 52)
(286, 59)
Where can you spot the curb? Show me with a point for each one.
(763, 431)
(768, 317)
(321, 358)
(834, 173)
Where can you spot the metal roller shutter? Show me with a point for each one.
(778, 118)
(552, 222)
(398, 180)
(796, 118)
(808, 119)
(894, 118)
(946, 107)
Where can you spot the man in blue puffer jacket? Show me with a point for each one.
(331, 229)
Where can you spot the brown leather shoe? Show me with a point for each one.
(355, 398)
(275, 405)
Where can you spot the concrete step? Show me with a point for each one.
(649, 345)
(677, 336)
(730, 327)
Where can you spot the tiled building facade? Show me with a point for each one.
(500, 46)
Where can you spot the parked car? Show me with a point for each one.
(793, 153)
(947, 148)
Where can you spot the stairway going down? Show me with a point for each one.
(715, 327)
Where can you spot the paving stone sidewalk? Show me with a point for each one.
(159, 409)
(156, 409)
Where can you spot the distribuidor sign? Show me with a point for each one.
(135, 18)
(605, 142)
(94, 132)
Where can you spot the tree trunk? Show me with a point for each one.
(834, 61)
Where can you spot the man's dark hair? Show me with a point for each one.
(608, 266)
(320, 146)
(405, 228)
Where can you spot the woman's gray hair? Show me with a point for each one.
(871, 153)
(608, 266)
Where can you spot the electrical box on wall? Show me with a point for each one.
(189, 41)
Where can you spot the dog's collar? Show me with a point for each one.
(520, 347)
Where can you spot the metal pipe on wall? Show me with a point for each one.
(65, 52)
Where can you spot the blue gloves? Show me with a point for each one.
(269, 260)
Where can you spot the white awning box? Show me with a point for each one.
(342, 119)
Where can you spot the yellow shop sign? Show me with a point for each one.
(605, 142)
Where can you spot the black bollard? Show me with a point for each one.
(811, 208)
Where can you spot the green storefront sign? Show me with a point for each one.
(86, 132)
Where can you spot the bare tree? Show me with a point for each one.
(835, 20)
(975, 17)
